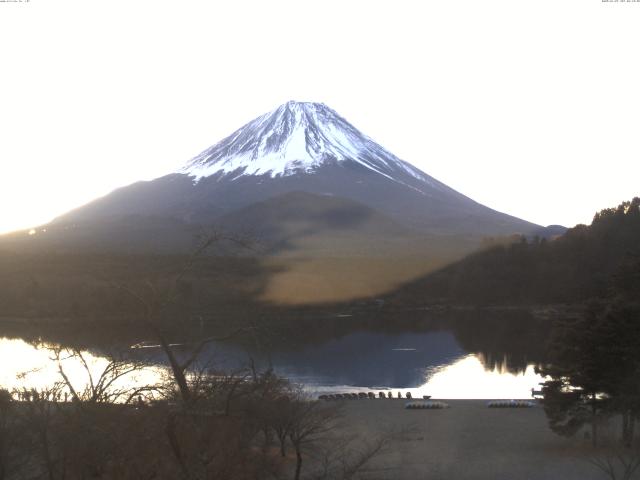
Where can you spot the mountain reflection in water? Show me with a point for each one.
(423, 363)
(371, 359)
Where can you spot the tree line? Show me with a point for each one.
(573, 268)
(593, 361)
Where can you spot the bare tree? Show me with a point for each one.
(155, 303)
(342, 457)
(111, 384)
(310, 422)
(281, 420)
(39, 420)
(616, 459)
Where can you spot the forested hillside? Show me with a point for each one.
(579, 265)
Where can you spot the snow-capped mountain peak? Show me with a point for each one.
(296, 137)
(300, 168)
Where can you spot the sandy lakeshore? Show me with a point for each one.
(469, 441)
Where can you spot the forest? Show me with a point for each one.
(574, 268)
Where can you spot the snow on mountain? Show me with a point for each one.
(299, 147)
(298, 137)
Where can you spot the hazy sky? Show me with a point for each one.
(530, 107)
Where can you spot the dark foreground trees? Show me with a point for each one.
(594, 359)
(12, 446)
(595, 371)
(200, 423)
(244, 425)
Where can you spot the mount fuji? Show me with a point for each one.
(306, 148)
(336, 216)
(298, 138)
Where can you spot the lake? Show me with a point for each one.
(423, 363)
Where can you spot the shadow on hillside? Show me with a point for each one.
(77, 298)
(82, 298)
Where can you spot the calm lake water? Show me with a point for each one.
(423, 363)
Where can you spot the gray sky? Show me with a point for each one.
(530, 107)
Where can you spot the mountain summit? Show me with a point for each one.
(297, 137)
(341, 181)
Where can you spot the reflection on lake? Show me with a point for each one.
(423, 363)
(427, 363)
(22, 365)
(467, 378)
(371, 359)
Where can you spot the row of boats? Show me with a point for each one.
(511, 404)
(365, 395)
(421, 405)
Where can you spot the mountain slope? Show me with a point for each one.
(335, 215)
(303, 224)
(302, 147)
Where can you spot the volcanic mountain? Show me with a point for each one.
(309, 186)
(305, 147)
